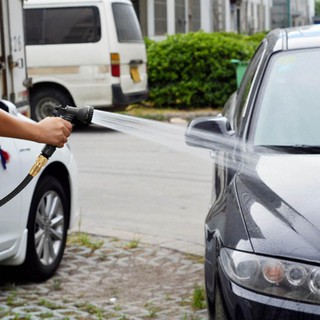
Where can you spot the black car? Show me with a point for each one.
(262, 233)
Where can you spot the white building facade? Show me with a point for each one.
(292, 13)
(159, 18)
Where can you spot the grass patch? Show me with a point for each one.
(133, 244)
(84, 239)
(152, 310)
(164, 114)
(21, 317)
(48, 304)
(195, 258)
(57, 284)
(13, 300)
(93, 310)
(117, 307)
(46, 315)
(199, 298)
(114, 239)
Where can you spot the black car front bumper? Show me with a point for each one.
(240, 303)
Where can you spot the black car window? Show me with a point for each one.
(62, 25)
(245, 86)
(127, 24)
(289, 100)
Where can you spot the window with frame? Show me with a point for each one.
(62, 25)
(180, 18)
(127, 24)
(160, 17)
(287, 111)
(195, 15)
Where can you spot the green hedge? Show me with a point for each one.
(194, 69)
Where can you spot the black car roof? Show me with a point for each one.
(294, 38)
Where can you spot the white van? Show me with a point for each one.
(13, 72)
(84, 52)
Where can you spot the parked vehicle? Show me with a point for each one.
(34, 224)
(262, 233)
(84, 52)
(13, 73)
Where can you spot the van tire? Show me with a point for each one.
(44, 101)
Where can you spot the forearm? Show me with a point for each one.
(51, 130)
(14, 127)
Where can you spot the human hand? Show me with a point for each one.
(54, 131)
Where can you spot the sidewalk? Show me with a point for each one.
(108, 278)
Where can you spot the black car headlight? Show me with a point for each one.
(270, 276)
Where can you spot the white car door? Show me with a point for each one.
(10, 213)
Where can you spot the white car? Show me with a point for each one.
(34, 224)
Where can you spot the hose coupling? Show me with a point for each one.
(41, 161)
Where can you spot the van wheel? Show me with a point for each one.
(47, 230)
(44, 101)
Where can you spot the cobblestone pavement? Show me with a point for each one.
(104, 278)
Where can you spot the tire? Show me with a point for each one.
(44, 101)
(47, 230)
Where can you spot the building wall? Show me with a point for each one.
(292, 12)
(161, 17)
(300, 12)
(255, 16)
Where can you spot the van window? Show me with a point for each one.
(62, 25)
(127, 24)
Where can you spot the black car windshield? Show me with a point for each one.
(288, 104)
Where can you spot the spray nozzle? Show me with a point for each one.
(82, 114)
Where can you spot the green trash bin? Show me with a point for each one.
(241, 67)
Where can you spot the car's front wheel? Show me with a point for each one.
(47, 229)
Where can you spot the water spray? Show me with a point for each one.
(177, 137)
(83, 114)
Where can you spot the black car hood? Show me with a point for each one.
(280, 202)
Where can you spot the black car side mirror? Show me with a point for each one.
(213, 133)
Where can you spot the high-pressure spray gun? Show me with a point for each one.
(82, 114)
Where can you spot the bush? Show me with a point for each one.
(194, 69)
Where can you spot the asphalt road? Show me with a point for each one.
(133, 188)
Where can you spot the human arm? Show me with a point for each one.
(52, 130)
